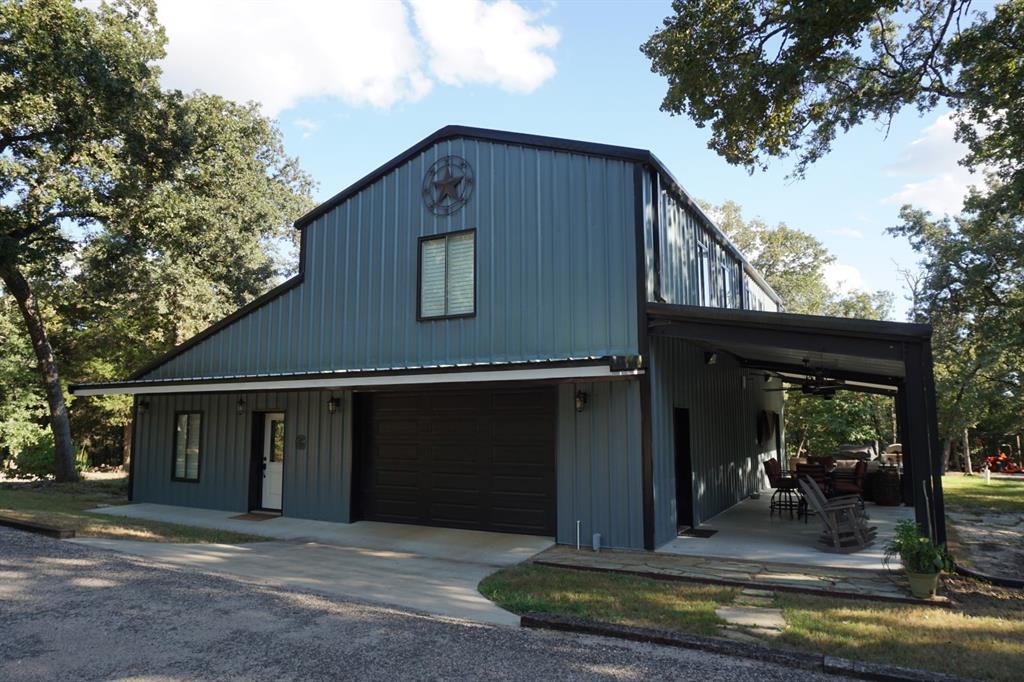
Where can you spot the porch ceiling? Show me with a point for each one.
(869, 351)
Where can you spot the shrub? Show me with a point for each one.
(917, 554)
(37, 459)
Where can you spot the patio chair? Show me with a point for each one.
(843, 526)
(818, 474)
(851, 482)
(787, 493)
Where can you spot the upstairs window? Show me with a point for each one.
(726, 286)
(703, 274)
(187, 427)
(448, 275)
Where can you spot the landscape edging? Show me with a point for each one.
(791, 659)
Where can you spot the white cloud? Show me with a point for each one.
(850, 232)
(940, 183)
(307, 126)
(365, 54)
(843, 278)
(497, 44)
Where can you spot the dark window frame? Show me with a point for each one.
(704, 273)
(727, 291)
(174, 446)
(420, 317)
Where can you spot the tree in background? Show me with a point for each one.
(114, 188)
(793, 262)
(775, 78)
(971, 290)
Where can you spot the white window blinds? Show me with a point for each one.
(447, 275)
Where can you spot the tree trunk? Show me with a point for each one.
(126, 445)
(64, 455)
(947, 449)
(967, 454)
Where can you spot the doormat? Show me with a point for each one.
(697, 532)
(254, 516)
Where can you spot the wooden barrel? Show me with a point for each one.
(887, 488)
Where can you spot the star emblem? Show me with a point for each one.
(448, 186)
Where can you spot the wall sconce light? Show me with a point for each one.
(710, 358)
(581, 400)
(240, 406)
(333, 404)
(143, 406)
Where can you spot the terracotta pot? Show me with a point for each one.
(923, 585)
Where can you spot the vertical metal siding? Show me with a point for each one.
(725, 455)
(598, 470)
(555, 273)
(316, 480)
(679, 230)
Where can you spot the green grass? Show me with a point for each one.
(981, 637)
(607, 597)
(971, 494)
(982, 643)
(65, 505)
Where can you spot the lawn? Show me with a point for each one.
(982, 637)
(65, 505)
(972, 494)
(608, 597)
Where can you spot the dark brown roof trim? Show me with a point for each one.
(842, 326)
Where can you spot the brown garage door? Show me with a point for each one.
(480, 459)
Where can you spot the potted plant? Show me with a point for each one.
(922, 559)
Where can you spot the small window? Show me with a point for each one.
(276, 440)
(448, 275)
(726, 286)
(187, 427)
(703, 274)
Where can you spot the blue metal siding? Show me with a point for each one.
(725, 455)
(555, 273)
(679, 229)
(316, 480)
(599, 473)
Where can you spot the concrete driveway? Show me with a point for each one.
(435, 570)
(70, 612)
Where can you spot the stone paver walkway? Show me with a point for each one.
(880, 585)
(752, 616)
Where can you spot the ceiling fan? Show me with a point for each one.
(816, 384)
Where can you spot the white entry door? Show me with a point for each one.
(273, 459)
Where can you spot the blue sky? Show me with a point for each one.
(353, 86)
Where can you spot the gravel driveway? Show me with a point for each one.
(72, 612)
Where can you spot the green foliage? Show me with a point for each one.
(36, 459)
(971, 290)
(917, 554)
(138, 216)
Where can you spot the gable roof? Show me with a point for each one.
(607, 151)
(629, 154)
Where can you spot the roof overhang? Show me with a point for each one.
(595, 369)
(871, 354)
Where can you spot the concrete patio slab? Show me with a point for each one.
(748, 532)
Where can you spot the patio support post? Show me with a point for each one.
(931, 412)
(906, 489)
(919, 428)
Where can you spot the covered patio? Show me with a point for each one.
(748, 532)
(867, 356)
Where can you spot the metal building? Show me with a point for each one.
(487, 332)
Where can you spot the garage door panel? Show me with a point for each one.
(466, 459)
